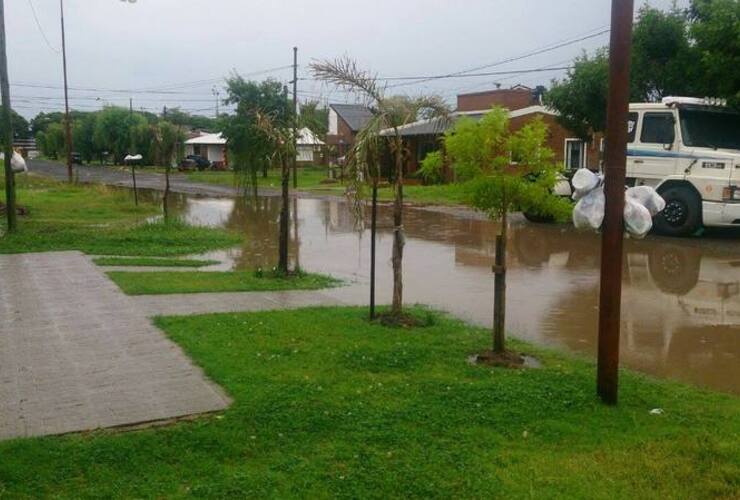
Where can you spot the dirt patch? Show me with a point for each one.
(22, 211)
(404, 320)
(506, 359)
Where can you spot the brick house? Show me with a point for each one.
(524, 105)
(345, 121)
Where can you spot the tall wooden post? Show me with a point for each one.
(373, 232)
(295, 117)
(614, 169)
(67, 121)
(7, 126)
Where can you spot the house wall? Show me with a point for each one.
(343, 139)
(556, 138)
(305, 154)
(216, 153)
(511, 99)
(333, 122)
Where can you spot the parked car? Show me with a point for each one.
(194, 162)
(77, 158)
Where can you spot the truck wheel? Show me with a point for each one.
(682, 213)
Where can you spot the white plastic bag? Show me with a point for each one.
(584, 181)
(647, 197)
(17, 163)
(589, 211)
(637, 219)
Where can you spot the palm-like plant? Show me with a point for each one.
(381, 131)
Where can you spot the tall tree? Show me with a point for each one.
(251, 149)
(389, 113)
(504, 171)
(168, 139)
(19, 125)
(315, 117)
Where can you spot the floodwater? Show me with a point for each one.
(681, 297)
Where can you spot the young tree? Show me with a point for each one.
(51, 142)
(315, 117)
(251, 149)
(112, 132)
(168, 139)
(389, 113)
(504, 171)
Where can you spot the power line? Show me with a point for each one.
(41, 30)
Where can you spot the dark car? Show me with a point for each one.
(76, 158)
(200, 162)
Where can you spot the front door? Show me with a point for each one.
(655, 156)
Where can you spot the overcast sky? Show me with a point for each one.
(166, 45)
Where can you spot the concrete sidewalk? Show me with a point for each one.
(77, 354)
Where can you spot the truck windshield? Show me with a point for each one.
(702, 128)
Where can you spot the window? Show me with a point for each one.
(632, 127)
(658, 128)
(575, 154)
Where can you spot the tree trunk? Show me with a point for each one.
(398, 236)
(499, 299)
(166, 199)
(284, 218)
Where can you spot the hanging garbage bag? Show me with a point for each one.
(17, 163)
(648, 197)
(589, 211)
(584, 181)
(637, 219)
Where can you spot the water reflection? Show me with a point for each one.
(681, 304)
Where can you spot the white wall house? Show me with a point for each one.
(212, 147)
(307, 146)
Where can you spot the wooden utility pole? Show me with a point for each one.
(7, 126)
(67, 122)
(614, 172)
(295, 117)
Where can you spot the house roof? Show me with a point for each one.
(439, 125)
(355, 115)
(208, 139)
(306, 137)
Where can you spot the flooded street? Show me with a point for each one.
(681, 299)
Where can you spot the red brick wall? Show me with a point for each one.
(344, 138)
(511, 99)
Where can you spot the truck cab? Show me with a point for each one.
(688, 149)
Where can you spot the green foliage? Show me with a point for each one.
(431, 169)
(251, 148)
(716, 33)
(113, 132)
(52, 141)
(315, 117)
(581, 97)
(502, 170)
(19, 125)
(187, 120)
(329, 405)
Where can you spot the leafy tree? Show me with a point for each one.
(504, 171)
(389, 113)
(251, 148)
(581, 97)
(20, 126)
(112, 132)
(52, 142)
(186, 120)
(715, 29)
(315, 117)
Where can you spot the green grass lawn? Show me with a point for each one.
(152, 262)
(328, 405)
(309, 179)
(100, 220)
(153, 283)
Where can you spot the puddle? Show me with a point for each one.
(681, 297)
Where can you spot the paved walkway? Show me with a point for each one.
(77, 354)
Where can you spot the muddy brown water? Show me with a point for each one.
(681, 297)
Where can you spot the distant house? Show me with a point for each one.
(524, 105)
(307, 146)
(212, 147)
(345, 120)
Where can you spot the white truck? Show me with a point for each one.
(688, 149)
